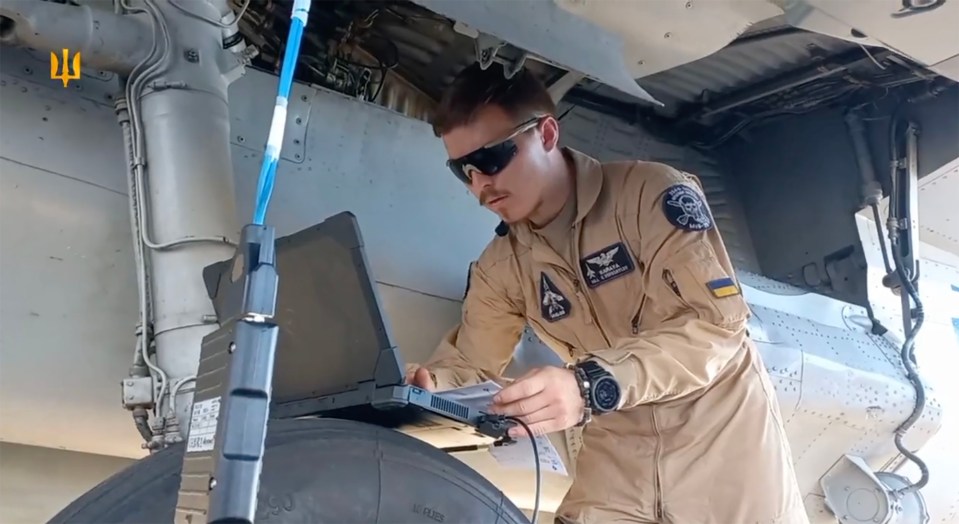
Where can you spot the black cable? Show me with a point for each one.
(539, 479)
(908, 361)
(379, 88)
(882, 239)
(908, 346)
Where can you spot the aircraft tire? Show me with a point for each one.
(316, 471)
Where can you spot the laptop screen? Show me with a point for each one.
(332, 330)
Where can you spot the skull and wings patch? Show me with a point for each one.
(686, 209)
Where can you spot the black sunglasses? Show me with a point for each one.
(492, 158)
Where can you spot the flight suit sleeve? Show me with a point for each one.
(481, 346)
(697, 312)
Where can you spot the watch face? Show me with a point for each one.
(606, 394)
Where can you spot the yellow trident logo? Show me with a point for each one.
(66, 75)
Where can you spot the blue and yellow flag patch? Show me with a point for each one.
(723, 287)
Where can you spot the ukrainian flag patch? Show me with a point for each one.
(723, 287)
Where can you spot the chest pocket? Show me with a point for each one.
(614, 275)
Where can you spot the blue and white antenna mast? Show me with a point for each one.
(245, 407)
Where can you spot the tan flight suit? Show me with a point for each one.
(644, 287)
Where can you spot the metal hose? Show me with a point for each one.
(907, 353)
(908, 358)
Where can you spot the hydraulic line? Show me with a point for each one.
(882, 238)
(908, 359)
(912, 317)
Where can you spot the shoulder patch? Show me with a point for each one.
(723, 287)
(552, 304)
(686, 209)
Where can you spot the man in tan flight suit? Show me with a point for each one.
(619, 267)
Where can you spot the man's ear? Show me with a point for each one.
(550, 133)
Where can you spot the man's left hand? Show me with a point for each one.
(547, 399)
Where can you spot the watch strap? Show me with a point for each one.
(593, 373)
(583, 382)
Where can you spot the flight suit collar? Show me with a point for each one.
(588, 173)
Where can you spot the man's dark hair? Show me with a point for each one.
(522, 96)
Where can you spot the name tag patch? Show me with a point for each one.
(686, 209)
(723, 287)
(552, 304)
(606, 264)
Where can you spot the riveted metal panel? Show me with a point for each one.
(853, 390)
(55, 130)
(937, 355)
(247, 118)
(740, 64)
(33, 66)
(420, 225)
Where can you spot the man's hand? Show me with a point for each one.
(420, 377)
(547, 399)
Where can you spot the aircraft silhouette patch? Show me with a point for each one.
(685, 208)
(606, 264)
(552, 303)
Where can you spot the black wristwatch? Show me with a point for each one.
(601, 393)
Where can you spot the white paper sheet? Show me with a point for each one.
(478, 397)
(517, 454)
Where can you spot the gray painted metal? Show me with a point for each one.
(95, 86)
(741, 64)
(105, 39)
(544, 29)
(937, 194)
(68, 302)
(188, 193)
(937, 354)
(926, 36)
(848, 385)
(252, 109)
(856, 495)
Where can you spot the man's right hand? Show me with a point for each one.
(420, 377)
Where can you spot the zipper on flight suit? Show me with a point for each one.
(636, 317)
(657, 481)
(668, 277)
(577, 229)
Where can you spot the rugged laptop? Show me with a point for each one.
(335, 354)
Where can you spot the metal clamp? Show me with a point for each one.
(489, 47)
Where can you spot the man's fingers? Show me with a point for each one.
(523, 388)
(423, 379)
(524, 406)
(420, 377)
(543, 415)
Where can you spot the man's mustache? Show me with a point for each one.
(490, 194)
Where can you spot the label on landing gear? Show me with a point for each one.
(203, 425)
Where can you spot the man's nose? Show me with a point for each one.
(481, 180)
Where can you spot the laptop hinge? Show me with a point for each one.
(389, 371)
